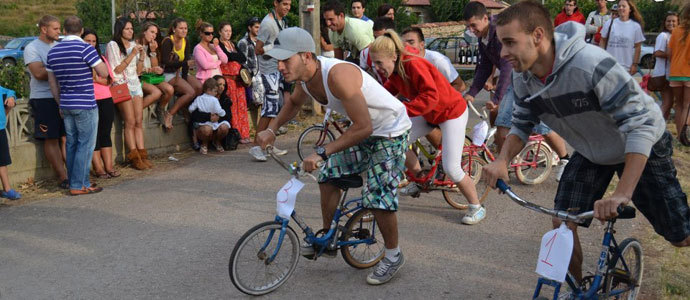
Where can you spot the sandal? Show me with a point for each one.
(102, 176)
(167, 121)
(113, 173)
(85, 191)
(219, 148)
(203, 150)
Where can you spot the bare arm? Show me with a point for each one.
(339, 53)
(38, 70)
(634, 165)
(259, 47)
(602, 42)
(459, 84)
(660, 54)
(498, 169)
(102, 70)
(54, 88)
(636, 58)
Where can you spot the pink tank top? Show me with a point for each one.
(103, 91)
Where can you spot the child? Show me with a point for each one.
(8, 97)
(208, 103)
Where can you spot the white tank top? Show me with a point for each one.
(388, 115)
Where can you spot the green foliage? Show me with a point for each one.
(15, 78)
(95, 14)
(556, 6)
(447, 10)
(237, 12)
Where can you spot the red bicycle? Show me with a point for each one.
(319, 134)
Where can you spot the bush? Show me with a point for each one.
(14, 77)
(402, 18)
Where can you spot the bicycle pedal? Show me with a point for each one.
(416, 195)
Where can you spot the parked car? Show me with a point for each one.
(14, 50)
(451, 46)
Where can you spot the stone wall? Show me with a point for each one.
(28, 160)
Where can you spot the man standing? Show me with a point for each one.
(71, 84)
(346, 34)
(380, 26)
(414, 37)
(476, 16)
(595, 20)
(615, 127)
(570, 13)
(357, 9)
(247, 45)
(276, 90)
(375, 143)
(48, 125)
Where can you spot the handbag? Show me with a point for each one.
(120, 92)
(152, 78)
(246, 76)
(258, 89)
(658, 83)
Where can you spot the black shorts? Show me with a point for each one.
(106, 115)
(47, 121)
(5, 159)
(658, 194)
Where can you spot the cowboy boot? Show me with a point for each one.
(135, 160)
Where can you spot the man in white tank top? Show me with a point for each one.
(375, 143)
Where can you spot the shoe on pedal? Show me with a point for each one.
(560, 167)
(257, 153)
(385, 270)
(279, 151)
(307, 250)
(474, 216)
(409, 190)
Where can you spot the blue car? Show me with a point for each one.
(14, 50)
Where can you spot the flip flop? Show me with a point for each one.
(102, 176)
(85, 191)
(114, 173)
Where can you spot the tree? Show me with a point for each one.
(95, 14)
(403, 19)
(447, 10)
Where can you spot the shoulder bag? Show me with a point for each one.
(120, 92)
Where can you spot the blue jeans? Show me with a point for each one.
(81, 127)
(505, 115)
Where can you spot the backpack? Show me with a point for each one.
(232, 139)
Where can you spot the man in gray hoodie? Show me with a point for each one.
(580, 92)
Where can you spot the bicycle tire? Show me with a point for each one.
(362, 223)
(242, 248)
(616, 274)
(529, 174)
(308, 140)
(477, 163)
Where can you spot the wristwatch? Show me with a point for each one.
(321, 151)
(152, 54)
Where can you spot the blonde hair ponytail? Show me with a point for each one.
(389, 43)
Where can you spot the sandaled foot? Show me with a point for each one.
(167, 120)
(203, 150)
(219, 148)
(85, 191)
(102, 176)
(113, 173)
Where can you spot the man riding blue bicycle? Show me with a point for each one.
(580, 92)
(375, 143)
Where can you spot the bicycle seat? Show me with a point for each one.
(626, 212)
(347, 182)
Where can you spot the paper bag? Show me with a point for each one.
(287, 196)
(479, 132)
(554, 254)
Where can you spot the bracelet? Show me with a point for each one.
(271, 131)
(153, 54)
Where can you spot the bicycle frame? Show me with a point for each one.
(426, 181)
(602, 264)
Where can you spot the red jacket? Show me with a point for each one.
(429, 93)
(561, 18)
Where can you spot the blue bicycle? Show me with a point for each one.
(266, 255)
(619, 269)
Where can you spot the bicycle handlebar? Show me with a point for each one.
(563, 215)
(482, 116)
(294, 168)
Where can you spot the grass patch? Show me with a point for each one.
(19, 18)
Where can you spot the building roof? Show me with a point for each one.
(417, 3)
(492, 4)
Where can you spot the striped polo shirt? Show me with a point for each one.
(71, 61)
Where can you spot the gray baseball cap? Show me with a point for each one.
(291, 41)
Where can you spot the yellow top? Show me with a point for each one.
(180, 53)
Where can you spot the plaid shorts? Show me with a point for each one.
(658, 194)
(382, 158)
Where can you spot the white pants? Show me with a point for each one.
(453, 142)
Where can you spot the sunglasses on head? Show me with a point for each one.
(208, 33)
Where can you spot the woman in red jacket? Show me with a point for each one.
(430, 100)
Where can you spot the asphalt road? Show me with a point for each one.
(169, 235)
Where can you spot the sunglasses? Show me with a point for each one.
(208, 33)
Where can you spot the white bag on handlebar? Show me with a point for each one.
(554, 254)
(287, 196)
(479, 132)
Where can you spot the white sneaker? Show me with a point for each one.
(555, 159)
(474, 216)
(559, 168)
(409, 190)
(257, 153)
(279, 151)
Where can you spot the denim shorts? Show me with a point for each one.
(505, 115)
(273, 94)
(383, 160)
(658, 194)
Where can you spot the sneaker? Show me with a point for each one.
(282, 130)
(409, 190)
(554, 159)
(279, 151)
(403, 183)
(474, 216)
(11, 194)
(196, 146)
(385, 270)
(257, 153)
(307, 250)
(559, 168)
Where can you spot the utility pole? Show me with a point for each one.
(309, 20)
(112, 16)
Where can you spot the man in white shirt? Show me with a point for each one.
(596, 20)
(414, 37)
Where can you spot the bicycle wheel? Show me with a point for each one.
(472, 166)
(529, 174)
(249, 271)
(311, 137)
(362, 226)
(617, 278)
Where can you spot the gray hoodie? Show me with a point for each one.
(590, 100)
